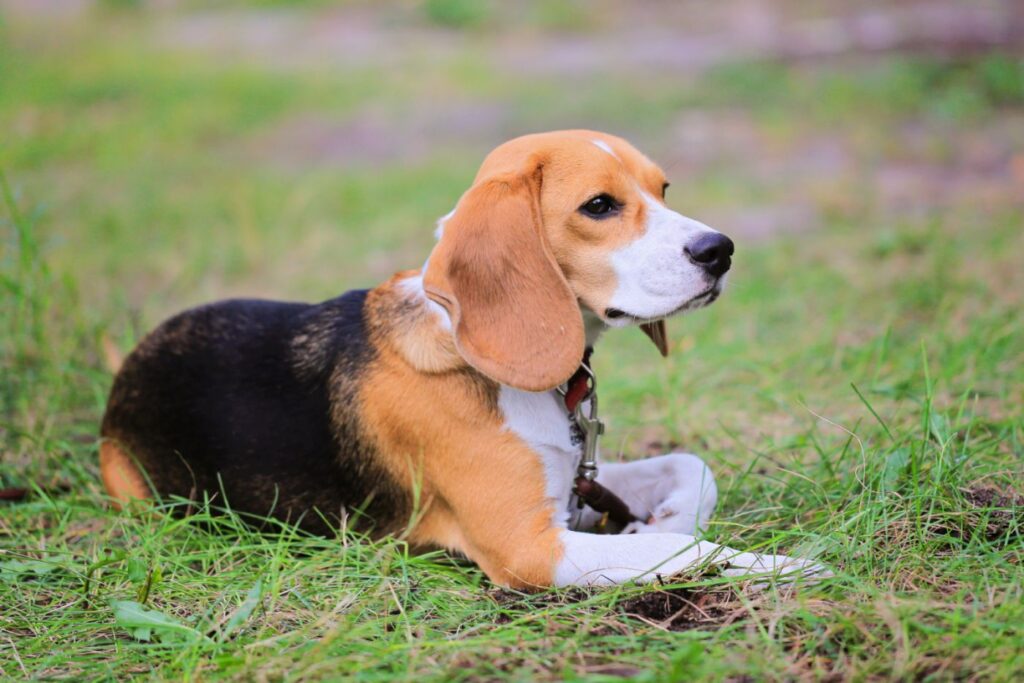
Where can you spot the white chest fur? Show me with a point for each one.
(540, 419)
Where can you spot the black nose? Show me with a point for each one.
(711, 251)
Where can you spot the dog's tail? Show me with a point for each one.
(113, 358)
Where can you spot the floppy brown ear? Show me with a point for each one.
(514, 316)
(656, 331)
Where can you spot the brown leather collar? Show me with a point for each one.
(578, 385)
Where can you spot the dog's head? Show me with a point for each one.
(559, 227)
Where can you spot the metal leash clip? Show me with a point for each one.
(588, 427)
(592, 428)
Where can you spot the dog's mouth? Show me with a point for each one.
(705, 298)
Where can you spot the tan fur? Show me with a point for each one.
(121, 477)
(515, 318)
(573, 169)
(480, 488)
(418, 336)
(512, 267)
(113, 359)
(511, 262)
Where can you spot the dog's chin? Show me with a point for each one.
(619, 318)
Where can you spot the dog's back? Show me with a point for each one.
(239, 399)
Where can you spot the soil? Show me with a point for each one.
(998, 513)
(685, 609)
(670, 609)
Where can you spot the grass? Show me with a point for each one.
(858, 390)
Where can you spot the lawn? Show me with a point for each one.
(858, 390)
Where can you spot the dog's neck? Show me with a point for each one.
(593, 326)
(422, 331)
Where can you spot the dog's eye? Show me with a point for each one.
(599, 206)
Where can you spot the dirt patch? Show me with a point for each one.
(685, 609)
(668, 609)
(997, 514)
(19, 494)
(990, 514)
(14, 494)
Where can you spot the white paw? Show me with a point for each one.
(680, 497)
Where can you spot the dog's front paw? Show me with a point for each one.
(678, 493)
(678, 514)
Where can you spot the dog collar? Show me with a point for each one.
(581, 385)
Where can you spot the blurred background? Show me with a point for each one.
(858, 391)
(867, 158)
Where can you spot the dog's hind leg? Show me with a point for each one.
(121, 476)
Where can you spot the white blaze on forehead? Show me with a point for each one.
(602, 145)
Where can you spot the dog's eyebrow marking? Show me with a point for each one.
(602, 145)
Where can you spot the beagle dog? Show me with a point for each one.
(429, 405)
